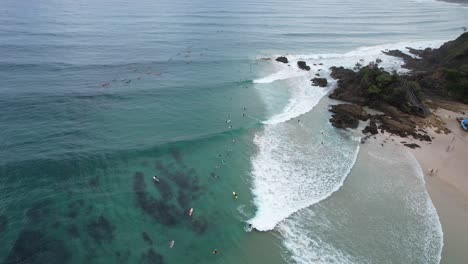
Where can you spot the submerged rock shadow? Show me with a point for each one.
(101, 230)
(35, 247)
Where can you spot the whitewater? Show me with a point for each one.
(285, 177)
(300, 162)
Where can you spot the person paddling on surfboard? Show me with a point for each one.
(156, 179)
(190, 212)
(234, 194)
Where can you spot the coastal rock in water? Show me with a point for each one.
(282, 59)
(354, 110)
(322, 82)
(303, 66)
(347, 115)
(411, 63)
(344, 121)
(397, 53)
(339, 73)
(348, 88)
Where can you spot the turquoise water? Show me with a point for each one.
(99, 96)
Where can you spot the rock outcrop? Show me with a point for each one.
(373, 86)
(371, 128)
(400, 98)
(441, 72)
(303, 66)
(282, 59)
(347, 115)
(321, 82)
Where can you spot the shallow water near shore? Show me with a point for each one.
(99, 97)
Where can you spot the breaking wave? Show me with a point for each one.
(288, 172)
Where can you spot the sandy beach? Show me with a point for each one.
(445, 166)
(447, 185)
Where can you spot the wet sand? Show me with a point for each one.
(447, 157)
(447, 185)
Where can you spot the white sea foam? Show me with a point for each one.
(426, 209)
(282, 74)
(290, 174)
(303, 98)
(306, 246)
(399, 216)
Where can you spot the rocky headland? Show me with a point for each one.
(403, 101)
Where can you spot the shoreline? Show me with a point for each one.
(447, 184)
(448, 188)
(429, 128)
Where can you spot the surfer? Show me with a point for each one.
(215, 251)
(234, 194)
(190, 212)
(171, 245)
(156, 179)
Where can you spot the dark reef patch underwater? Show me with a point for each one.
(36, 247)
(101, 230)
(170, 209)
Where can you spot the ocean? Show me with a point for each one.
(97, 97)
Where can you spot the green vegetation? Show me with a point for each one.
(380, 86)
(458, 52)
(457, 83)
(454, 66)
